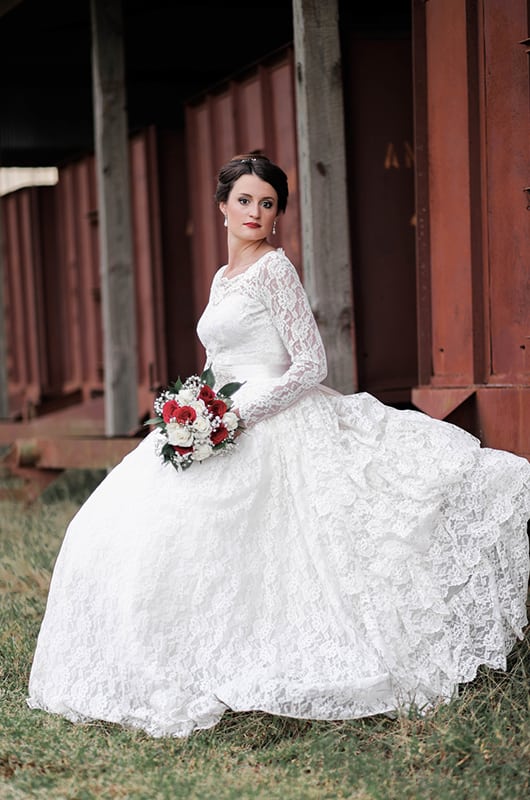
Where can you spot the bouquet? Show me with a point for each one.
(195, 421)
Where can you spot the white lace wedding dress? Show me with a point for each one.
(346, 559)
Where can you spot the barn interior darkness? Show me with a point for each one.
(173, 52)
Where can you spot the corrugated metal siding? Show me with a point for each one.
(474, 309)
(24, 298)
(78, 285)
(53, 297)
(147, 244)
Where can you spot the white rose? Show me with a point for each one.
(198, 405)
(202, 452)
(230, 421)
(178, 434)
(201, 425)
(186, 396)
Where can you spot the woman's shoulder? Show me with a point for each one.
(276, 266)
(274, 261)
(269, 259)
(277, 255)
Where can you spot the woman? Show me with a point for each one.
(347, 559)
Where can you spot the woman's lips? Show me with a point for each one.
(252, 225)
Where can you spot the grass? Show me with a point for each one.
(477, 747)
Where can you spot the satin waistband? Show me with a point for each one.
(242, 372)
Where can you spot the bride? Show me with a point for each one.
(346, 559)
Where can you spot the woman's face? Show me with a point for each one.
(251, 208)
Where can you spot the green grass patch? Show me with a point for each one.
(477, 747)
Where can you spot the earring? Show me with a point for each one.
(226, 221)
(274, 228)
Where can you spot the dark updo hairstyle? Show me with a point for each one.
(252, 164)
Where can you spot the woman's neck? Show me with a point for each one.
(242, 255)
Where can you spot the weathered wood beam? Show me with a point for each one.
(116, 250)
(322, 177)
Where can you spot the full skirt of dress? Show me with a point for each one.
(346, 559)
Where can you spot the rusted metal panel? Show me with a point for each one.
(281, 107)
(506, 146)
(41, 337)
(421, 189)
(77, 289)
(24, 313)
(51, 326)
(68, 288)
(77, 192)
(379, 139)
(476, 137)
(179, 331)
(253, 112)
(449, 193)
(91, 344)
(145, 199)
(440, 402)
(504, 418)
(205, 226)
(475, 274)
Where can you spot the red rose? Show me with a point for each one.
(219, 435)
(185, 414)
(207, 394)
(169, 410)
(217, 408)
(182, 450)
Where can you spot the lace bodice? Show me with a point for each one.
(260, 323)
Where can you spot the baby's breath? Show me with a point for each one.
(198, 442)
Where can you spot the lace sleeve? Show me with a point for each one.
(283, 294)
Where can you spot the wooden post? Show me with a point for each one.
(4, 393)
(322, 177)
(116, 251)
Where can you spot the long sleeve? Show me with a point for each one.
(282, 293)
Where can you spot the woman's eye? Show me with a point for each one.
(243, 200)
(267, 203)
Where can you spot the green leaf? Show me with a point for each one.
(154, 421)
(208, 377)
(230, 388)
(168, 452)
(177, 386)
